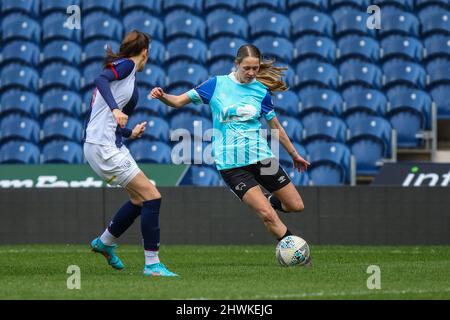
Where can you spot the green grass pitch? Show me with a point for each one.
(226, 272)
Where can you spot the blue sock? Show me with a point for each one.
(124, 218)
(150, 224)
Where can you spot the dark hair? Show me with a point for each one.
(133, 44)
(268, 75)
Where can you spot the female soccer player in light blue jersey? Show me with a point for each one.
(243, 158)
(113, 101)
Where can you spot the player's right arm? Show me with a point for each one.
(170, 99)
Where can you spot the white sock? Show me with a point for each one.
(107, 238)
(151, 257)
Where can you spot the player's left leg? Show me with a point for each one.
(288, 199)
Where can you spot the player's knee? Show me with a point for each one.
(268, 215)
(296, 206)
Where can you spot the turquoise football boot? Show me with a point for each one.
(108, 252)
(158, 270)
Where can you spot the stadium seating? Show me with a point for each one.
(193, 50)
(438, 70)
(437, 45)
(157, 128)
(421, 4)
(60, 75)
(195, 125)
(48, 6)
(17, 26)
(62, 51)
(315, 99)
(19, 127)
(30, 7)
(441, 96)
(267, 22)
(151, 6)
(96, 50)
(19, 101)
(398, 71)
(315, 4)
(144, 22)
(358, 72)
(224, 22)
(62, 152)
(19, 152)
(61, 101)
(191, 5)
(311, 21)
(434, 19)
(362, 99)
(405, 5)
(157, 53)
(319, 126)
(184, 73)
(292, 126)
(358, 4)
(149, 105)
(151, 76)
(224, 47)
(396, 21)
(357, 46)
(58, 126)
(100, 25)
(182, 23)
(233, 5)
(150, 151)
(315, 72)
(319, 47)
(280, 49)
(330, 163)
(221, 67)
(269, 4)
(109, 6)
(19, 76)
(286, 103)
(403, 47)
(204, 176)
(21, 51)
(192, 152)
(53, 28)
(297, 178)
(349, 20)
(283, 156)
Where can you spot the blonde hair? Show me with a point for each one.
(268, 74)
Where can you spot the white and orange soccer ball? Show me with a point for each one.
(292, 251)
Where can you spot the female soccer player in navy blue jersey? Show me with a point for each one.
(112, 103)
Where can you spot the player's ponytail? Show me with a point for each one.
(268, 74)
(132, 45)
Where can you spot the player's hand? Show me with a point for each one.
(138, 130)
(299, 163)
(157, 93)
(121, 117)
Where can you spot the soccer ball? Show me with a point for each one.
(292, 251)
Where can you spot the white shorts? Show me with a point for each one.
(116, 166)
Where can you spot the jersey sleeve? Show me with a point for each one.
(267, 107)
(203, 92)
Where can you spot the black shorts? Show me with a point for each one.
(241, 179)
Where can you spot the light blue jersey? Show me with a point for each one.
(236, 108)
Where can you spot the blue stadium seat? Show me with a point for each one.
(101, 25)
(348, 20)
(109, 6)
(53, 28)
(193, 50)
(286, 103)
(152, 76)
(157, 52)
(63, 101)
(30, 7)
(315, 99)
(150, 151)
(362, 99)
(62, 152)
(182, 23)
(60, 75)
(19, 152)
(157, 128)
(292, 126)
(289, 75)
(406, 5)
(144, 22)
(438, 71)
(49, 6)
(402, 46)
(151, 6)
(421, 4)
(437, 45)
(190, 107)
(19, 76)
(311, 46)
(90, 72)
(233, 5)
(149, 105)
(192, 152)
(315, 72)
(58, 126)
(307, 20)
(417, 102)
(19, 101)
(62, 51)
(204, 176)
(434, 20)
(319, 126)
(370, 141)
(283, 156)
(297, 178)
(280, 49)
(190, 5)
(19, 127)
(225, 47)
(395, 21)
(190, 74)
(267, 22)
(398, 71)
(358, 72)
(356, 46)
(278, 5)
(24, 52)
(221, 67)
(195, 124)
(18, 26)
(441, 96)
(224, 22)
(315, 4)
(357, 4)
(330, 163)
(96, 50)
